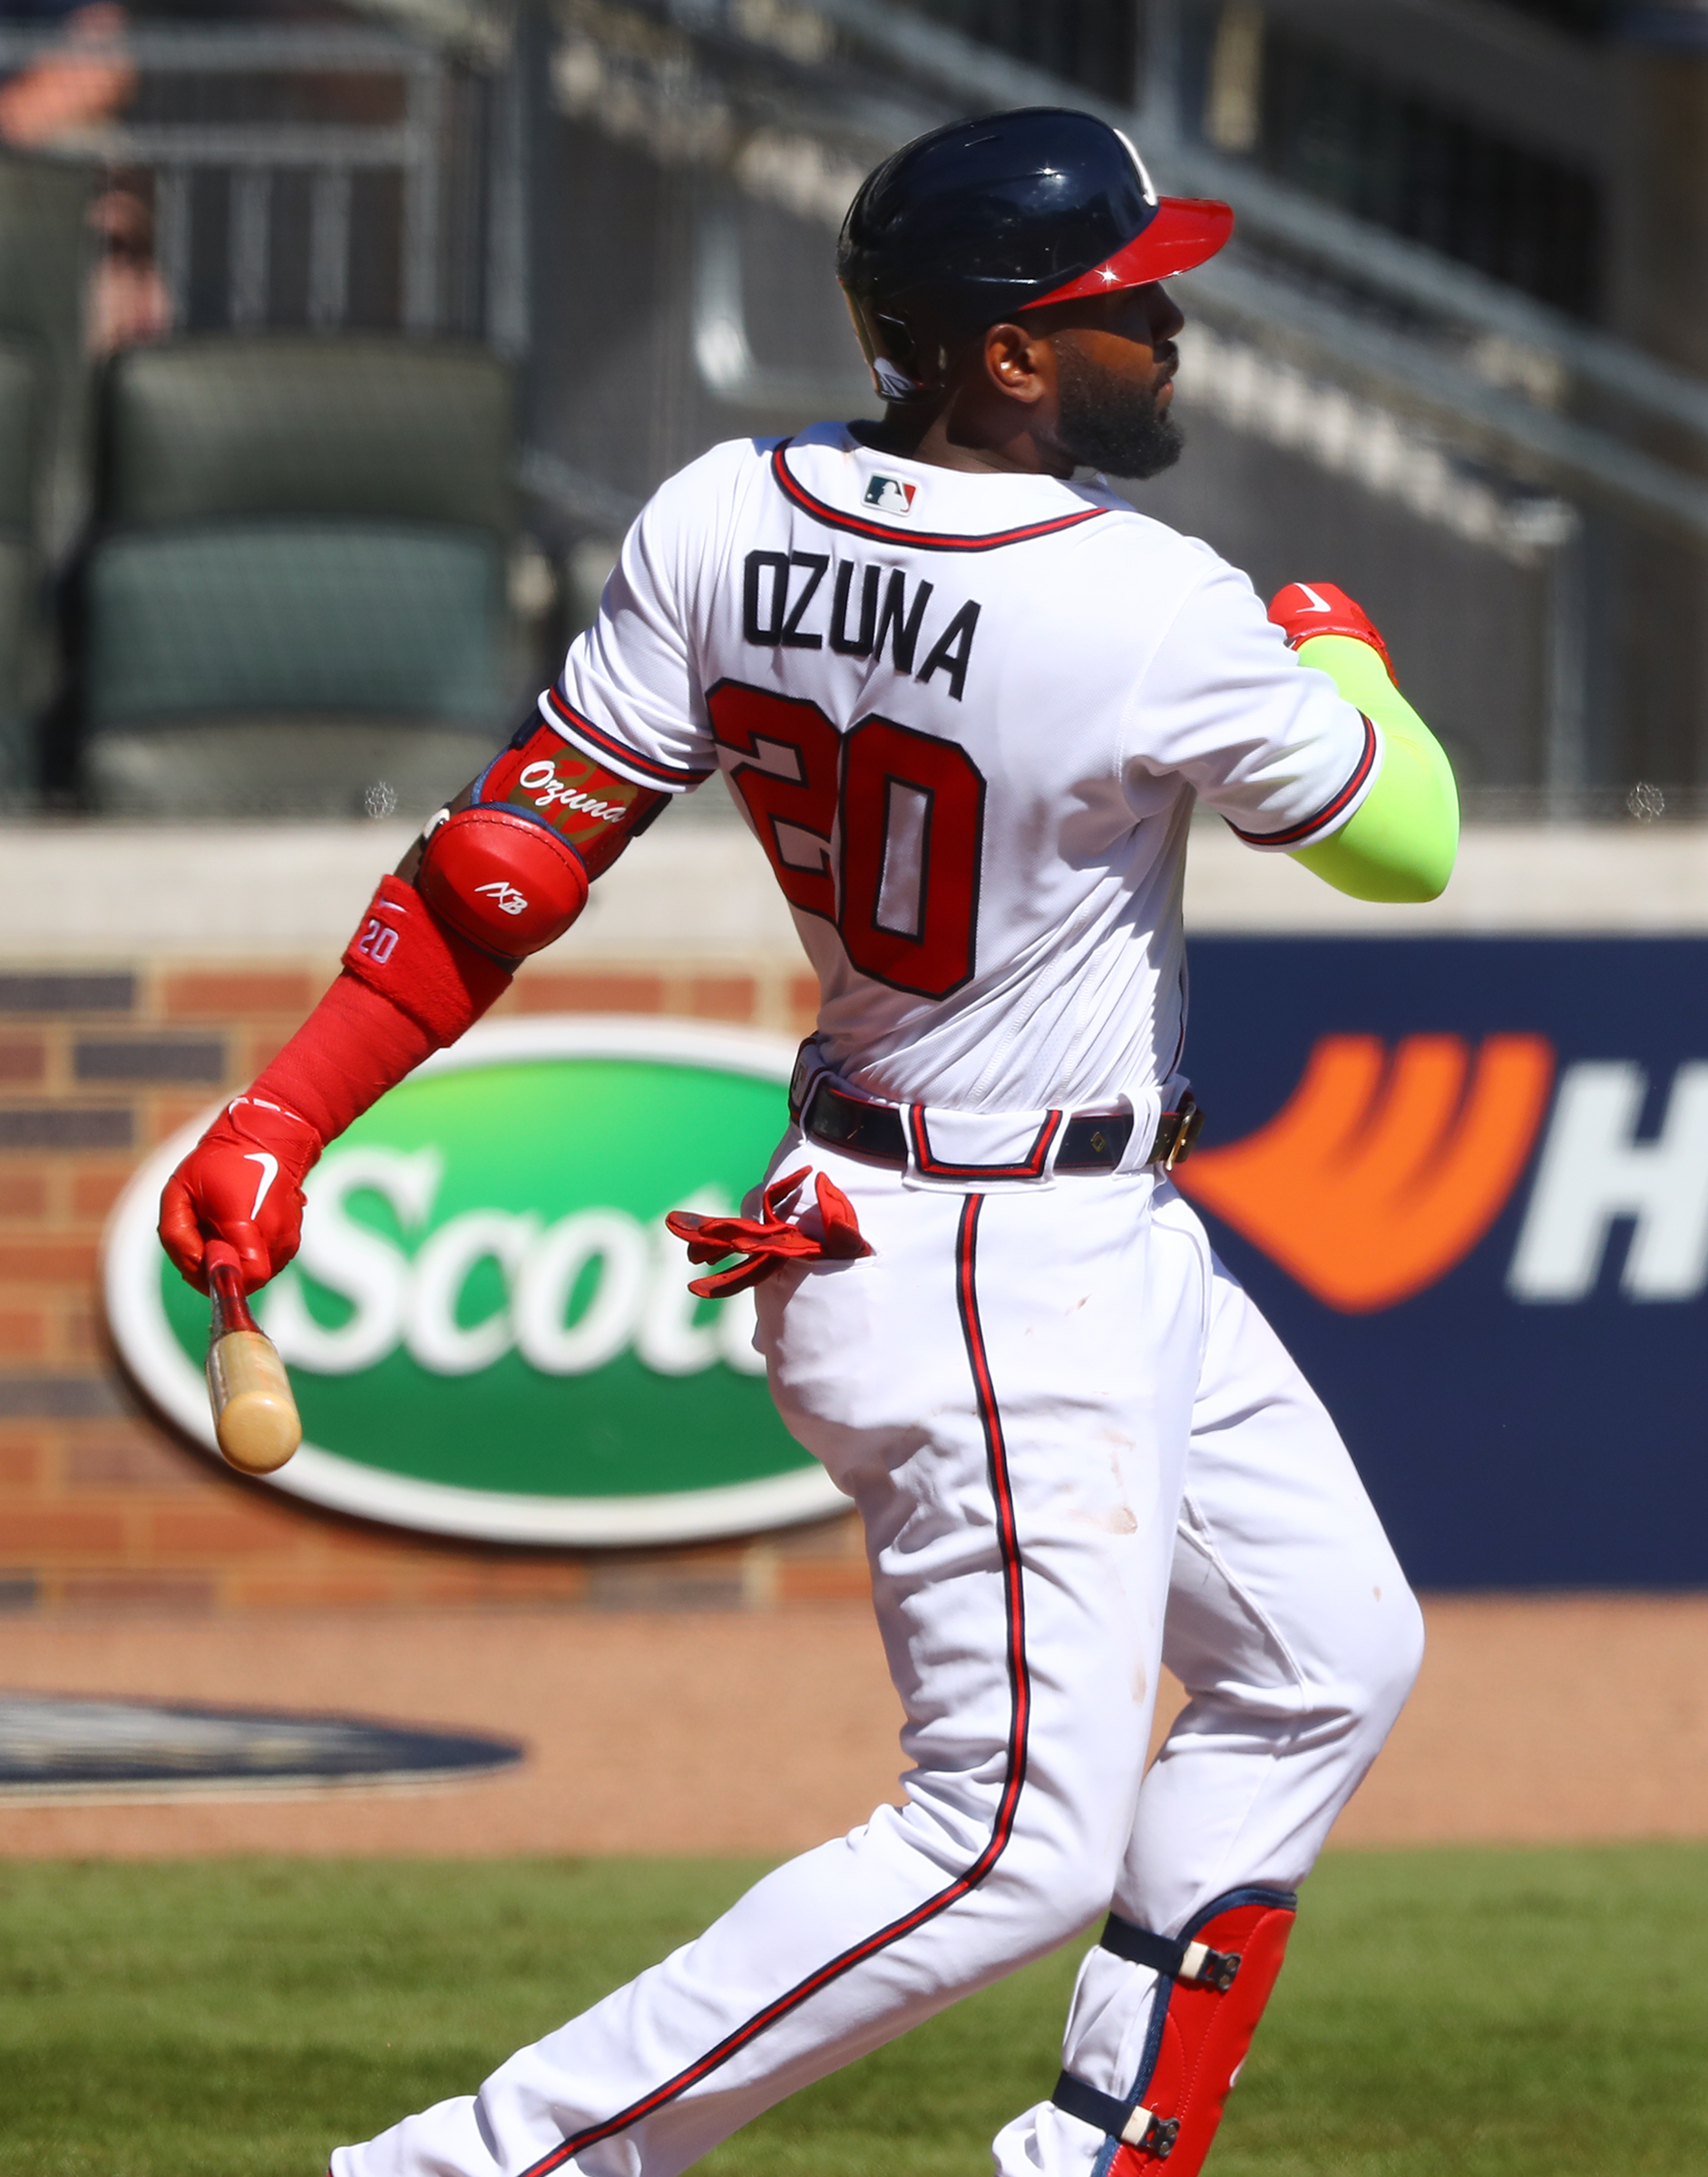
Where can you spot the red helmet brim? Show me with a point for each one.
(1184, 234)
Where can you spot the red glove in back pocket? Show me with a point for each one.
(764, 1243)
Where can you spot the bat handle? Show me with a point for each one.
(225, 1287)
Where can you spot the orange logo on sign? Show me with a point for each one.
(1381, 1173)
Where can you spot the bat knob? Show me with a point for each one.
(255, 1415)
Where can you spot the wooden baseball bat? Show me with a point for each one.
(255, 1417)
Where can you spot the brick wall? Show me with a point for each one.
(100, 1502)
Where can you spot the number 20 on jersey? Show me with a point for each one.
(898, 876)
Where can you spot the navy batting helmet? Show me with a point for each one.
(965, 226)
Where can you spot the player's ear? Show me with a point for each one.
(1019, 359)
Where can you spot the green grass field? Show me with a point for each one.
(1487, 2014)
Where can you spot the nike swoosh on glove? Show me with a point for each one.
(243, 1184)
(1306, 609)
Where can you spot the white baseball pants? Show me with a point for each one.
(1079, 1453)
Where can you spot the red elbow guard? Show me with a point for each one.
(503, 881)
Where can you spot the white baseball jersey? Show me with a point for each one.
(1077, 1449)
(866, 645)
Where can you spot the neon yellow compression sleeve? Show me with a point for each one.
(1400, 842)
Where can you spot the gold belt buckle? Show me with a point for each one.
(1188, 1125)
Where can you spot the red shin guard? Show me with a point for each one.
(1216, 1979)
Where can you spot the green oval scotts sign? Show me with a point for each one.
(489, 1329)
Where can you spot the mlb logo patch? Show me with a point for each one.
(890, 495)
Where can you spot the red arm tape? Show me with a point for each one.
(354, 1046)
(409, 986)
(432, 973)
(422, 967)
(497, 882)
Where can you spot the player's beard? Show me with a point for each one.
(1110, 422)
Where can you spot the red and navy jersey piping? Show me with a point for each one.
(672, 778)
(916, 540)
(1014, 1773)
(1296, 834)
(1031, 1166)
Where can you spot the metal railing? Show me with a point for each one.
(435, 146)
(1444, 305)
(1433, 347)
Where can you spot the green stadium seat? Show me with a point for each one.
(25, 651)
(45, 251)
(25, 666)
(297, 599)
(23, 396)
(283, 423)
(271, 619)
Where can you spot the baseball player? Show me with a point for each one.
(967, 703)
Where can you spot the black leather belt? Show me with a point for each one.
(1091, 1141)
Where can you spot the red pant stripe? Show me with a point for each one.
(1020, 1688)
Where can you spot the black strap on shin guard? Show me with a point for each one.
(1176, 1958)
(1190, 1964)
(1121, 2120)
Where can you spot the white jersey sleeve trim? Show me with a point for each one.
(617, 755)
(631, 690)
(1270, 744)
(1337, 811)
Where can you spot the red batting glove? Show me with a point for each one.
(409, 986)
(1306, 609)
(243, 1184)
(764, 1243)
